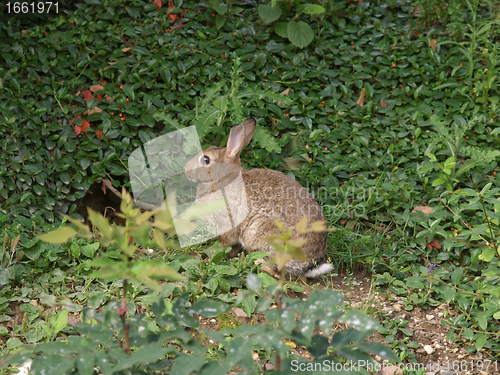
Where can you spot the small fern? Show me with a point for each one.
(227, 101)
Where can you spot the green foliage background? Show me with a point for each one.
(429, 107)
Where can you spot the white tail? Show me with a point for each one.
(322, 269)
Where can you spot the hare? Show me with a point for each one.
(265, 194)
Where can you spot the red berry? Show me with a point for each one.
(123, 118)
(121, 87)
(393, 65)
(128, 99)
(467, 137)
(326, 148)
(121, 115)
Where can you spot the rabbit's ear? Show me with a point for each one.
(240, 136)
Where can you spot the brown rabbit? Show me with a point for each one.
(258, 198)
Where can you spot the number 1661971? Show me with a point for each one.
(24, 7)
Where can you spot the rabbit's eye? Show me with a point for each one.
(205, 160)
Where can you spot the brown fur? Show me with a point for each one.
(270, 195)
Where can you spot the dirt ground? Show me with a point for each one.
(438, 355)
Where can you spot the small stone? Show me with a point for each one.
(269, 366)
(239, 313)
(429, 349)
(255, 356)
(460, 356)
(213, 320)
(429, 317)
(397, 306)
(390, 370)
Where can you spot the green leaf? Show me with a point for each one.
(314, 9)
(209, 308)
(249, 304)
(480, 341)
(480, 229)
(438, 181)
(52, 364)
(240, 349)
(378, 349)
(254, 283)
(85, 162)
(359, 321)
(186, 364)
(487, 254)
(469, 164)
(449, 164)
(101, 223)
(269, 13)
(281, 28)
(456, 276)
(415, 282)
(59, 321)
(128, 91)
(155, 269)
(300, 33)
(260, 60)
(147, 354)
(266, 140)
(142, 51)
(426, 167)
(206, 121)
(60, 235)
(220, 20)
(90, 249)
(85, 363)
